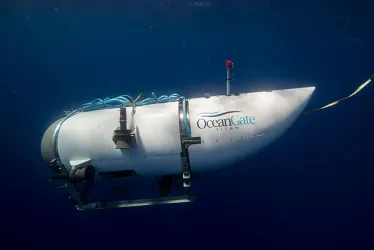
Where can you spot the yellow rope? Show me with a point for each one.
(336, 102)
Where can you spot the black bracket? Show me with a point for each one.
(122, 137)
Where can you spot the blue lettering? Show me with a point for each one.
(234, 120)
(251, 120)
(244, 120)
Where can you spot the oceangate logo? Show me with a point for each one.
(211, 120)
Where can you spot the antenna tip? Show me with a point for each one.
(229, 64)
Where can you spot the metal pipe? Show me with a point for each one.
(229, 66)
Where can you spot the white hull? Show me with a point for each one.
(249, 123)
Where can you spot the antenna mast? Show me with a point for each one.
(229, 66)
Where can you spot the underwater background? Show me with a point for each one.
(312, 189)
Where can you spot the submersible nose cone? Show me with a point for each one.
(47, 144)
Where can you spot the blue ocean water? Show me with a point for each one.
(312, 189)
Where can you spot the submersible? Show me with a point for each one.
(171, 138)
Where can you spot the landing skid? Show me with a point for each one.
(137, 203)
(164, 184)
(79, 196)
